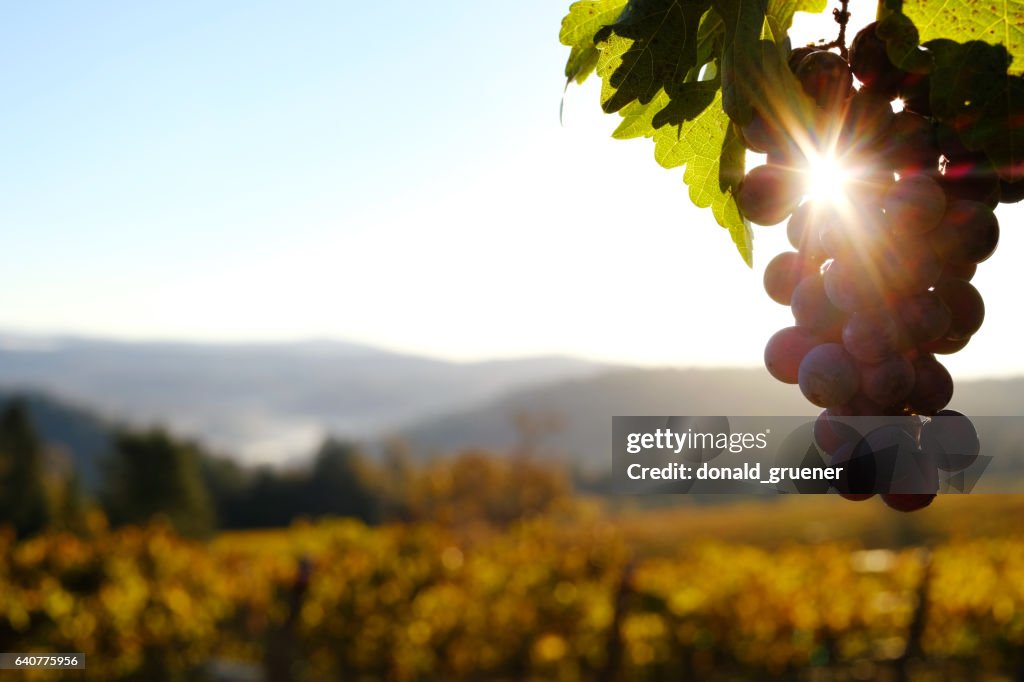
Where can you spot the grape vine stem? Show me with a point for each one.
(842, 17)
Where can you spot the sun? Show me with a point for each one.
(827, 179)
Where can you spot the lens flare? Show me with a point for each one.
(827, 179)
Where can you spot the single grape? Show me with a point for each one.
(964, 271)
(949, 143)
(914, 353)
(914, 479)
(791, 159)
(902, 468)
(968, 233)
(812, 308)
(850, 232)
(915, 91)
(933, 386)
(867, 187)
(802, 231)
(910, 145)
(785, 351)
(760, 136)
(973, 179)
(828, 375)
(797, 54)
(826, 77)
(952, 439)
(871, 464)
(889, 381)
(965, 304)
(925, 317)
(907, 264)
(851, 288)
(914, 205)
(873, 335)
(831, 432)
(907, 502)
(1011, 192)
(857, 480)
(768, 194)
(866, 121)
(945, 345)
(782, 274)
(870, 63)
(944, 241)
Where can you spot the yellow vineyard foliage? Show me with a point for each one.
(539, 600)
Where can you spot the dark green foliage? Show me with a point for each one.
(23, 500)
(151, 474)
(341, 483)
(69, 427)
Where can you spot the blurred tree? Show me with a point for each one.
(479, 487)
(152, 474)
(23, 501)
(271, 499)
(68, 503)
(397, 473)
(343, 483)
(228, 484)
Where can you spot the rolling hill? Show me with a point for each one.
(584, 407)
(263, 402)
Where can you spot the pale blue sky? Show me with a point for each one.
(190, 128)
(392, 173)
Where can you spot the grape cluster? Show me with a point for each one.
(879, 278)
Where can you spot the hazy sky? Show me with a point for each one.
(389, 173)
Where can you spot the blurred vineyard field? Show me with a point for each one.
(818, 518)
(806, 588)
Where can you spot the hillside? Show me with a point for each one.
(71, 430)
(584, 407)
(264, 402)
(274, 402)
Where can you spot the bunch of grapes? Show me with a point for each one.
(879, 278)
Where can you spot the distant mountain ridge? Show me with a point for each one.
(275, 402)
(263, 401)
(585, 407)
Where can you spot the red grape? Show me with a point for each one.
(828, 375)
(768, 194)
(785, 351)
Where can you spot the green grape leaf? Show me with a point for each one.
(903, 43)
(714, 158)
(653, 45)
(582, 62)
(972, 93)
(686, 103)
(680, 72)
(998, 22)
(781, 11)
(744, 23)
(584, 20)
(638, 117)
(754, 69)
(710, 35)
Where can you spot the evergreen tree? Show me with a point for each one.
(342, 483)
(152, 474)
(23, 500)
